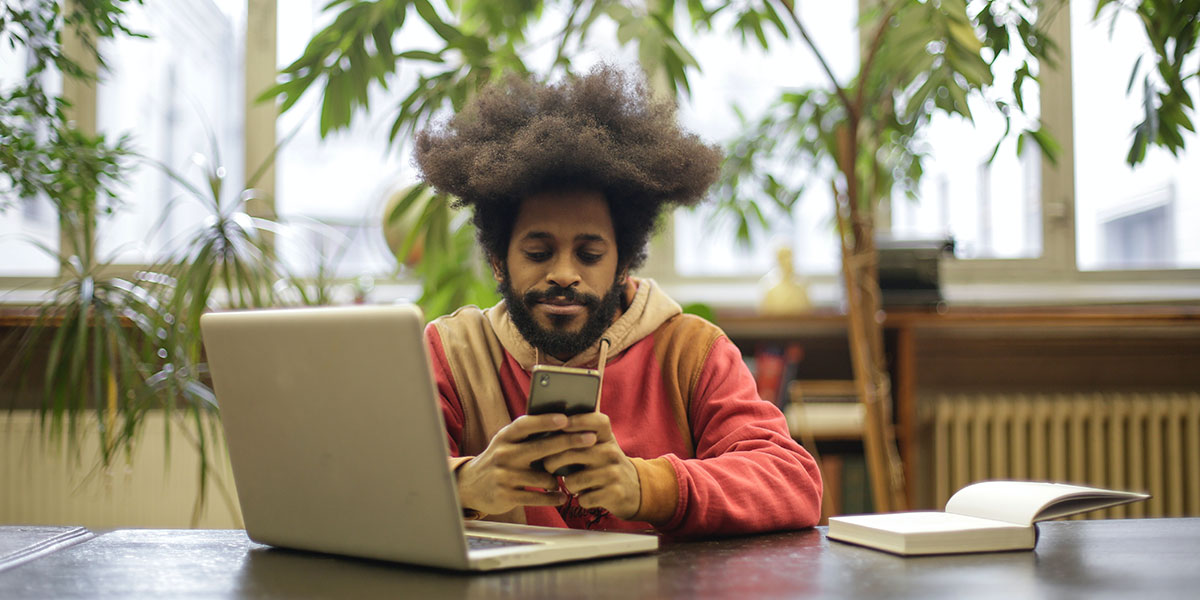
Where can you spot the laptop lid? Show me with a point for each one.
(334, 437)
(338, 445)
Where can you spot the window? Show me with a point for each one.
(175, 94)
(1126, 218)
(1139, 239)
(25, 222)
(1024, 219)
(331, 193)
(990, 206)
(1018, 219)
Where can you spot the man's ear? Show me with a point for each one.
(623, 276)
(497, 269)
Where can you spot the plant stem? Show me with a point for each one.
(110, 412)
(562, 44)
(841, 92)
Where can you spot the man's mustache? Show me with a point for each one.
(566, 294)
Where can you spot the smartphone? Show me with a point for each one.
(566, 390)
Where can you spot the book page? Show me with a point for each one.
(1024, 502)
(921, 522)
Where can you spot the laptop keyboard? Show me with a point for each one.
(477, 542)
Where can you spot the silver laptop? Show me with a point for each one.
(337, 444)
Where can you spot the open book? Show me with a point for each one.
(983, 517)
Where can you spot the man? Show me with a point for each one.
(566, 183)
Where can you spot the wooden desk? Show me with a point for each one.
(1153, 558)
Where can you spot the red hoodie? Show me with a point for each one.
(712, 457)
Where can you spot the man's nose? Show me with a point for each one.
(563, 272)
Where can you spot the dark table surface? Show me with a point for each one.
(1151, 558)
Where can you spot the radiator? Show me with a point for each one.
(42, 482)
(1138, 442)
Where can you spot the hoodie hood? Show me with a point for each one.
(648, 308)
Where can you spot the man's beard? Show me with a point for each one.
(560, 343)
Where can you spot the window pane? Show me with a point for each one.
(753, 79)
(173, 94)
(1126, 218)
(992, 209)
(331, 193)
(25, 222)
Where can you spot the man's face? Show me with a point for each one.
(560, 278)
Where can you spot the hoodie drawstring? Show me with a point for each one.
(604, 344)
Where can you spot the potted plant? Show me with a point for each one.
(93, 352)
(110, 345)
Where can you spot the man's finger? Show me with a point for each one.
(596, 498)
(529, 478)
(524, 426)
(584, 457)
(583, 481)
(593, 421)
(556, 444)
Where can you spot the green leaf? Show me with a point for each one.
(961, 106)
(1100, 4)
(759, 33)
(329, 106)
(435, 57)
(435, 22)
(398, 212)
(474, 47)
(918, 99)
(1137, 149)
(382, 37)
(964, 35)
(773, 17)
(1133, 73)
(1049, 147)
(701, 310)
(626, 31)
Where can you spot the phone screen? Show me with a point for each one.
(562, 390)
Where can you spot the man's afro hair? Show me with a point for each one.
(600, 131)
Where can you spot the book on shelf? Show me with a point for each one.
(774, 367)
(988, 516)
(826, 420)
(825, 409)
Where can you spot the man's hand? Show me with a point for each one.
(609, 479)
(501, 479)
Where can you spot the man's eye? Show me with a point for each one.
(590, 257)
(538, 256)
